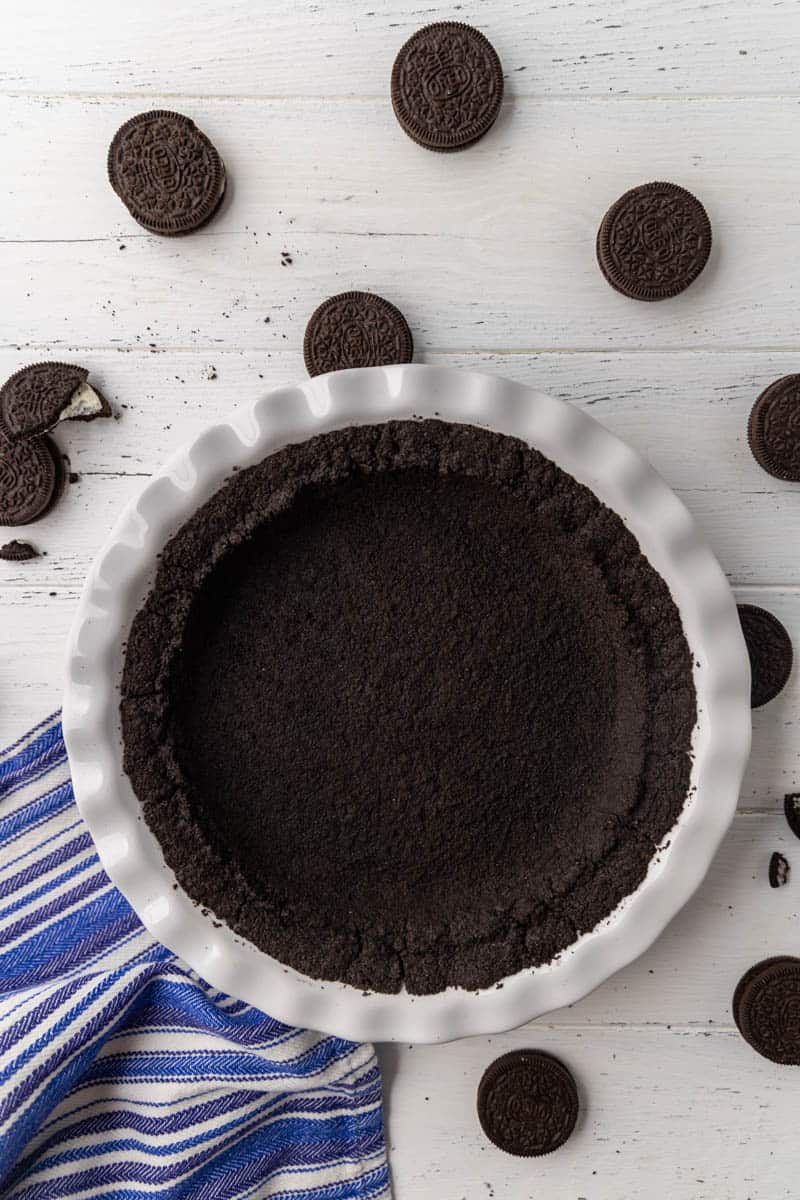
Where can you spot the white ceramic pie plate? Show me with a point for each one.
(123, 573)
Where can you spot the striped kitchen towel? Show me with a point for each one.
(122, 1074)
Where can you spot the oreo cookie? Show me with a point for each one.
(527, 1103)
(166, 172)
(769, 1010)
(654, 241)
(773, 430)
(770, 649)
(447, 86)
(791, 808)
(18, 551)
(36, 398)
(31, 478)
(356, 329)
(750, 974)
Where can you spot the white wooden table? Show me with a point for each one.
(490, 254)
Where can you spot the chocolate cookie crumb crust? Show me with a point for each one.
(408, 706)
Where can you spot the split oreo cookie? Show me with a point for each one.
(167, 172)
(38, 397)
(769, 1010)
(447, 86)
(527, 1103)
(654, 241)
(770, 649)
(356, 329)
(773, 430)
(31, 478)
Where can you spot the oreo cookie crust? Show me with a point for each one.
(654, 241)
(407, 706)
(770, 650)
(773, 430)
(527, 1103)
(447, 86)
(769, 1011)
(31, 478)
(356, 329)
(166, 172)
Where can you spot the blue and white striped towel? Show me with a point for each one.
(122, 1074)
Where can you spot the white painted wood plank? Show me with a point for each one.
(670, 1114)
(548, 47)
(358, 205)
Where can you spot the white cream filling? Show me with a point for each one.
(85, 402)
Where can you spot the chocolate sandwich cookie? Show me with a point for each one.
(769, 1010)
(750, 974)
(356, 329)
(36, 398)
(447, 86)
(773, 430)
(654, 241)
(770, 649)
(31, 477)
(527, 1103)
(167, 172)
(15, 551)
(791, 808)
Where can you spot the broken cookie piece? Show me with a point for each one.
(16, 551)
(38, 397)
(778, 870)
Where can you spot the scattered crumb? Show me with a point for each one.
(74, 477)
